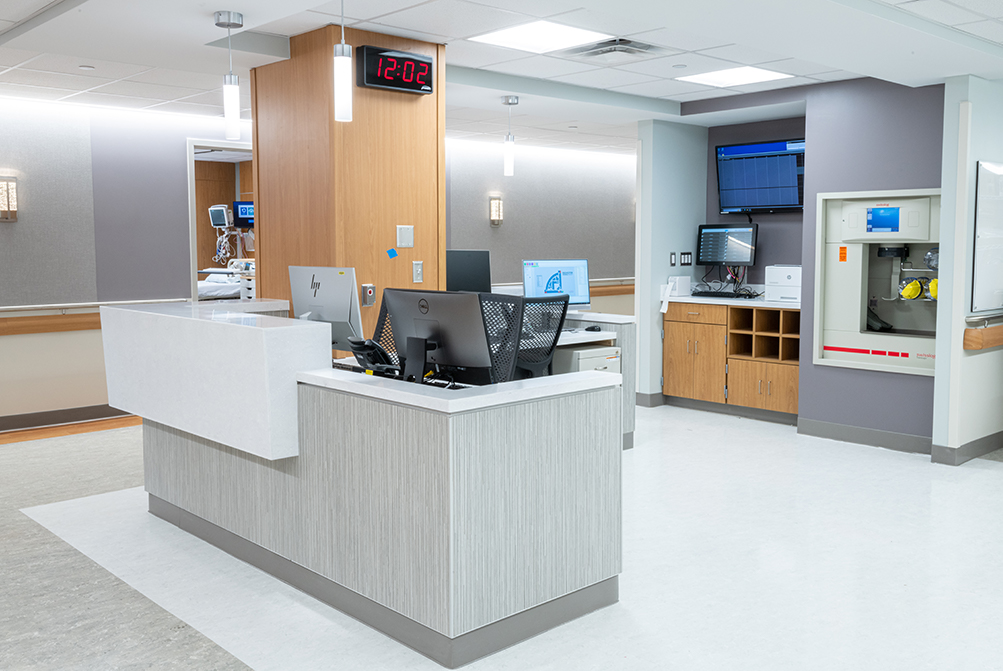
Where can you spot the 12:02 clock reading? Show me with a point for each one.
(395, 70)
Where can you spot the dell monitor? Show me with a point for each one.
(468, 270)
(450, 329)
(243, 213)
(727, 244)
(553, 277)
(327, 295)
(762, 177)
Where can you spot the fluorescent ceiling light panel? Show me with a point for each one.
(735, 77)
(541, 37)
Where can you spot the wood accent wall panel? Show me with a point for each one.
(215, 184)
(246, 180)
(332, 194)
(49, 323)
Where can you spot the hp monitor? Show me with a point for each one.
(327, 295)
(727, 244)
(553, 277)
(763, 177)
(468, 270)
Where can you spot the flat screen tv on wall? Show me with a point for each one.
(761, 177)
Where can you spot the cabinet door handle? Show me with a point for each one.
(696, 347)
(769, 388)
(687, 346)
(692, 313)
(760, 387)
(602, 367)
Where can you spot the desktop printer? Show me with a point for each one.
(783, 283)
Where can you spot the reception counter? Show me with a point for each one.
(457, 521)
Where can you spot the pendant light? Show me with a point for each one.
(509, 168)
(231, 89)
(342, 75)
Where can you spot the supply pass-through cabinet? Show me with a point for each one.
(739, 355)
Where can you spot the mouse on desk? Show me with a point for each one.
(592, 328)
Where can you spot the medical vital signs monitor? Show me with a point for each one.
(557, 276)
(327, 295)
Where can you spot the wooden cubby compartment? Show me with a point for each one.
(740, 344)
(790, 323)
(740, 319)
(790, 349)
(767, 321)
(766, 347)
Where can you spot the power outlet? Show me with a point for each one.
(686, 258)
(417, 272)
(672, 258)
(405, 237)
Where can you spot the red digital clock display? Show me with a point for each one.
(395, 70)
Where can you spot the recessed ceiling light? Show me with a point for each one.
(679, 65)
(734, 77)
(541, 37)
(87, 67)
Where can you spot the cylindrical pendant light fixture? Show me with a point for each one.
(342, 75)
(231, 88)
(509, 147)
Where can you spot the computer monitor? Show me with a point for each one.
(557, 276)
(327, 295)
(727, 244)
(468, 270)
(449, 325)
(243, 213)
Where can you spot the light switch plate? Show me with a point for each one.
(405, 236)
(672, 258)
(686, 258)
(417, 273)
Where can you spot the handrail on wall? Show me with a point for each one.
(77, 306)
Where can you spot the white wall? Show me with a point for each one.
(671, 204)
(968, 387)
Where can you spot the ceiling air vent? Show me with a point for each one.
(613, 52)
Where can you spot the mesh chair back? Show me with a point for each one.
(542, 321)
(502, 323)
(384, 335)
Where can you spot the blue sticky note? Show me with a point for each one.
(392, 253)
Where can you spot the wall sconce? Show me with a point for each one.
(495, 210)
(8, 199)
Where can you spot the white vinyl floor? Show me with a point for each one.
(746, 547)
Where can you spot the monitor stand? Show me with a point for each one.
(414, 362)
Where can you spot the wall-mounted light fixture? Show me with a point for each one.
(495, 210)
(8, 199)
(342, 75)
(509, 169)
(231, 88)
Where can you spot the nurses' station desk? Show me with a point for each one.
(458, 522)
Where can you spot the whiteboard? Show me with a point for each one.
(987, 279)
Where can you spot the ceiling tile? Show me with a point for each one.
(453, 18)
(402, 32)
(144, 90)
(106, 100)
(742, 54)
(939, 11)
(616, 23)
(774, 85)
(296, 24)
(476, 55)
(210, 97)
(990, 30)
(993, 8)
(10, 57)
(678, 39)
(71, 65)
(52, 79)
(19, 10)
(688, 64)
(365, 10)
(537, 8)
(540, 67)
(195, 80)
(33, 92)
(605, 78)
(834, 76)
(482, 127)
(793, 66)
(473, 114)
(189, 108)
(702, 95)
(662, 88)
(4, 25)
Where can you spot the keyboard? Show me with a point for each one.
(721, 294)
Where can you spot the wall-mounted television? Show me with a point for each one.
(761, 177)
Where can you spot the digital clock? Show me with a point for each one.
(395, 70)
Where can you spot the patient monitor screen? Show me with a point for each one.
(551, 278)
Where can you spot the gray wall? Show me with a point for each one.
(780, 232)
(559, 204)
(105, 203)
(47, 255)
(861, 135)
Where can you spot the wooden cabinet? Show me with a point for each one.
(693, 358)
(738, 355)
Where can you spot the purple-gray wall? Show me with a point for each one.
(861, 135)
(779, 233)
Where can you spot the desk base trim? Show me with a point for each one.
(449, 652)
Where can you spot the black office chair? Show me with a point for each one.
(384, 335)
(502, 323)
(542, 321)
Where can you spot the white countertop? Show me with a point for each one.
(450, 401)
(741, 302)
(232, 312)
(600, 317)
(581, 336)
(247, 304)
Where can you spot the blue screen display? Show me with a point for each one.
(882, 220)
(761, 177)
(553, 277)
(243, 213)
